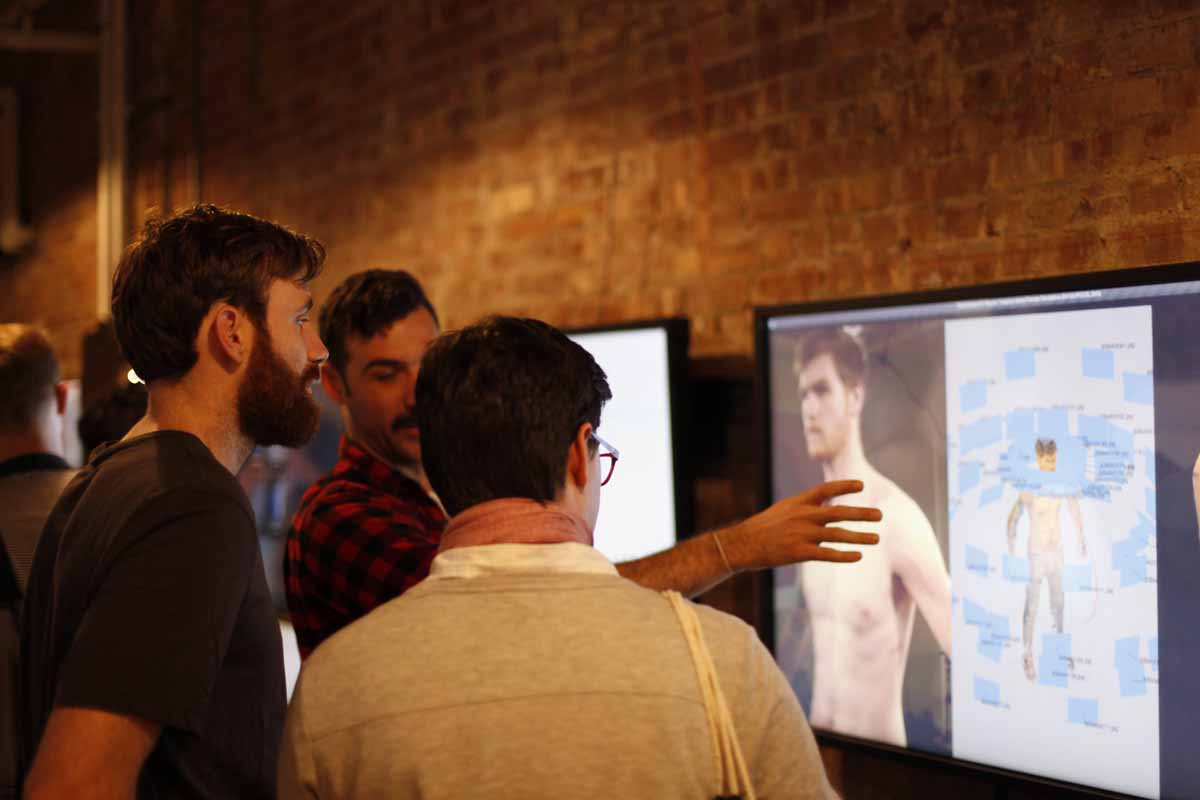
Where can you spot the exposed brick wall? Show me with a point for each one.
(588, 162)
(53, 284)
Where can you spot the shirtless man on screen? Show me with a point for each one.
(862, 623)
(1045, 549)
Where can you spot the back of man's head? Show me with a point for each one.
(28, 375)
(847, 353)
(167, 281)
(366, 304)
(498, 405)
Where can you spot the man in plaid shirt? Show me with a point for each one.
(369, 530)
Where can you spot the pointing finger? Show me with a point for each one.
(828, 491)
(847, 514)
(849, 537)
(837, 556)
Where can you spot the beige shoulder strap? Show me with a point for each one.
(731, 766)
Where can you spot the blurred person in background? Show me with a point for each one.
(33, 473)
(109, 418)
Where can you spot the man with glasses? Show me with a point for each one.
(369, 531)
(524, 665)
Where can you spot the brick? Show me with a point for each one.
(963, 222)
(741, 258)
(856, 75)
(880, 230)
(1161, 243)
(1161, 192)
(987, 41)
(923, 18)
(845, 9)
(718, 294)
(675, 125)
(876, 30)
(779, 17)
(776, 245)
(732, 148)
(793, 205)
(770, 178)
(802, 53)
(584, 180)
(868, 191)
(919, 226)
(1133, 97)
(725, 76)
(731, 111)
(788, 286)
(780, 136)
(962, 176)
(1171, 135)
(844, 231)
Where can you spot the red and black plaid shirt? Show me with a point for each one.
(362, 535)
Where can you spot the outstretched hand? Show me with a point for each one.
(795, 529)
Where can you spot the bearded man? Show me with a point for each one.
(151, 657)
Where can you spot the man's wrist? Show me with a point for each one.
(721, 552)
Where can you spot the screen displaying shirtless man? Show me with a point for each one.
(862, 623)
(1045, 548)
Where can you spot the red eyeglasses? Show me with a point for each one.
(608, 460)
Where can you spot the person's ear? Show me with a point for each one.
(579, 457)
(60, 398)
(856, 395)
(335, 385)
(231, 334)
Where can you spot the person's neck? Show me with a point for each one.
(850, 463)
(409, 469)
(182, 406)
(27, 442)
(514, 520)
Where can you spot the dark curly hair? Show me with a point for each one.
(169, 278)
(366, 304)
(498, 405)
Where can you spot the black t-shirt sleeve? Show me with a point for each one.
(155, 633)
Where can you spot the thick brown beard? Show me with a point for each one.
(273, 403)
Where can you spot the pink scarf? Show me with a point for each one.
(514, 520)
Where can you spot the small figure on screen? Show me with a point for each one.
(862, 622)
(1045, 548)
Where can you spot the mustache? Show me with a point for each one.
(311, 373)
(408, 420)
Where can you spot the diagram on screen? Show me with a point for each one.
(1050, 425)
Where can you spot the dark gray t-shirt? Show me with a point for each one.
(147, 597)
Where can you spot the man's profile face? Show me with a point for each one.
(274, 400)
(827, 406)
(1047, 461)
(378, 387)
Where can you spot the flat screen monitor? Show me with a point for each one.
(646, 506)
(1032, 447)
